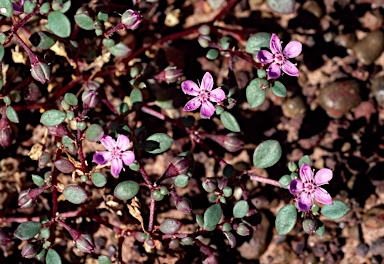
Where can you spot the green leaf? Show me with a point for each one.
(136, 96)
(229, 171)
(258, 41)
(29, 6)
(102, 16)
(11, 114)
(229, 122)
(267, 154)
(42, 39)
(84, 21)
(75, 194)
(64, 165)
(71, 99)
(52, 257)
(98, 179)
(52, 117)
(304, 159)
(126, 190)
(285, 180)
(6, 8)
(255, 95)
(120, 50)
(61, 5)
(335, 211)
(1, 53)
(320, 229)
(38, 180)
(94, 133)
(170, 226)
(279, 89)
(59, 24)
(108, 42)
(212, 217)
(104, 260)
(181, 180)
(27, 230)
(286, 219)
(212, 54)
(240, 209)
(162, 143)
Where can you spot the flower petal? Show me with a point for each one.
(102, 157)
(216, 95)
(108, 142)
(275, 44)
(295, 186)
(265, 56)
(128, 157)
(293, 49)
(207, 82)
(192, 104)
(290, 68)
(190, 88)
(273, 71)
(304, 202)
(116, 167)
(323, 176)
(207, 109)
(322, 196)
(306, 173)
(122, 142)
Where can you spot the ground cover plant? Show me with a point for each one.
(191, 131)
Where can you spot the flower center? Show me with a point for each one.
(204, 96)
(279, 59)
(309, 187)
(116, 153)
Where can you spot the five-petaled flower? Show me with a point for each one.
(116, 153)
(308, 188)
(204, 95)
(278, 59)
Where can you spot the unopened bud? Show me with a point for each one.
(30, 250)
(242, 230)
(209, 185)
(4, 238)
(41, 72)
(131, 19)
(230, 141)
(90, 98)
(174, 244)
(180, 165)
(169, 75)
(27, 197)
(58, 131)
(85, 243)
(212, 259)
(310, 226)
(5, 132)
(292, 167)
(182, 204)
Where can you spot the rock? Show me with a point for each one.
(362, 249)
(258, 243)
(378, 90)
(369, 48)
(314, 8)
(293, 107)
(374, 217)
(282, 6)
(339, 97)
(346, 40)
(377, 247)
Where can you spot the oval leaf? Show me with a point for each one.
(229, 122)
(11, 114)
(27, 230)
(84, 21)
(170, 226)
(304, 159)
(136, 96)
(258, 41)
(126, 190)
(98, 179)
(64, 165)
(279, 89)
(212, 217)
(158, 143)
(6, 8)
(1, 52)
(94, 132)
(267, 154)
(59, 24)
(255, 95)
(52, 118)
(335, 211)
(75, 194)
(240, 209)
(42, 40)
(119, 50)
(231, 238)
(52, 257)
(286, 219)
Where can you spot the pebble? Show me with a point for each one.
(374, 217)
(339, 97)
(377, 247)
(314, 8)
(293, 107)
(282, 6)
(362, 249)
(369, 48)
(378, 90)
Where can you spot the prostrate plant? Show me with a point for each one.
(70, 177)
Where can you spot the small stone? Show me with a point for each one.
(293, 107)
(362, 249)
(282, 6)
(377, 247)
(346, 40)
(314, 8)
(375, 41)
(255, 4)
(374, 217)
(378, 90)
(339, 97)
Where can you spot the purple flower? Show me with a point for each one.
(204, 95)
(279, 58)
(116, 153)
(308, 188)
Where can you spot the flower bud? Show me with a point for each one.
(174, 244)
(90, 99)
(242, 230)
(30, 250)
(230, 141)
(41, 72)
(5, 132)
(58, 131)
(310, 226)
(292, 167)
(27, 197)
(84, 243)
(130, 19)
(169, 75)
(4, 238)
(209, 185)
(180, 165)
(182, 204)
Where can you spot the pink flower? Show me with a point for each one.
(116, 153)
(279, 59)
(204, 95)
(308, 188)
